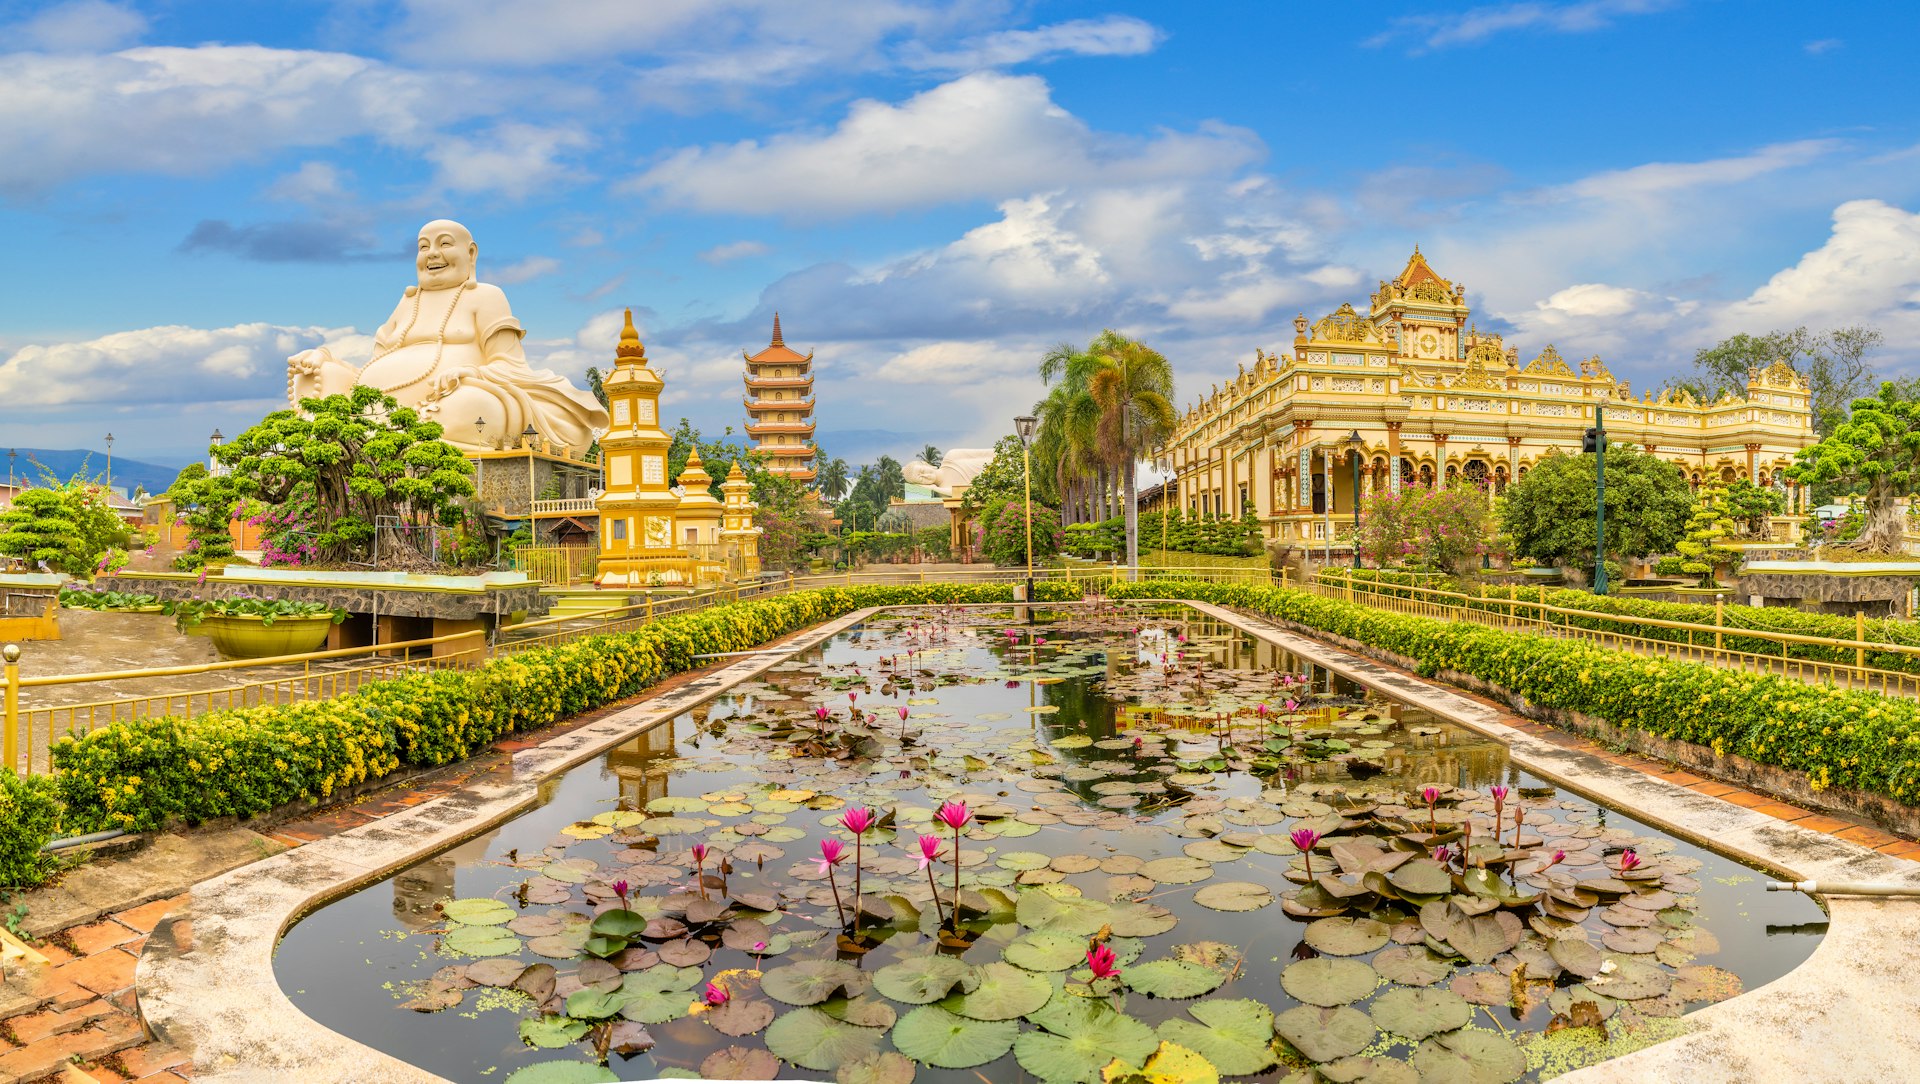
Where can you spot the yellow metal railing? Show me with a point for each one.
(557, 566)
(1692, 642)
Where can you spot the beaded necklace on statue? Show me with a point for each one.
(439, 339)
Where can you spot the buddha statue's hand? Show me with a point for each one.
(315, 373)
(446, 383)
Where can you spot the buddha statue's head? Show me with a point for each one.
(446, 255)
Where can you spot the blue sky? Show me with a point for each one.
(930, 193)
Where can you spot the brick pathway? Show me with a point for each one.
(75, 1020)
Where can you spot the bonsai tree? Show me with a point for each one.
(206, 504)
(1549, 513)
(69, 525)
(1749, 506)
(363, 461)
(1703, 550)
(1878, 448)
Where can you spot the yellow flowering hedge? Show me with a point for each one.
(140, 775)
(29, 816)
(1839, 738)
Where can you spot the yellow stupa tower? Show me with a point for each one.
(637, 546)
(697, 519)
(737, 529)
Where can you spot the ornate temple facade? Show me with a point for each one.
(779, 404)
(1434, 401)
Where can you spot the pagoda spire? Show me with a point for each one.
(777, 340)
(630, 344)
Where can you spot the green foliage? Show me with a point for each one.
(936, 542)
(207, 504)
(144, 773)
(1840, 738)
(1834, 364)
(361, 459)
(106, 600)
(830, 475)
(1203, 533)
(1703, 550)
(1004, 533)
(1549, 513)
(874, 489)
(1669, 566)
(69, 525)
(1004, 477)
(1446, 528)
(189, 613)
(717, 458)
(788, 538)
(29, 817)
(1749, 505)
(1878, 447)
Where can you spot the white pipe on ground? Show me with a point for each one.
(1842, 888)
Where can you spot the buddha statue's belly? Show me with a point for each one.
(408, 373)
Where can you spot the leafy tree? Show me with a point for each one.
(1833, 362)
(1878, 447)
(830, 476)
(1704, 547)
(207, 504)
(1448, 528)
(930, 456)
(1133, 389)
(361, 458)
(596, 383)
(1549, 513)
(1750, 505)
(38, 528)
(1003, 478)
(1003, 532)
(187, 474)
(873, 492)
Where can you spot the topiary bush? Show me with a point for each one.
(29, 818)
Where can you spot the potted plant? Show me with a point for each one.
(244, 627)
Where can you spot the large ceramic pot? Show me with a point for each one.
(242, 637)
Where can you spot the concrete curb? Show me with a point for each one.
(1844, 1015)
(206, 982)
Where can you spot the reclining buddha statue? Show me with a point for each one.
(451, 351)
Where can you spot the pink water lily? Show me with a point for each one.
(1304, 839)
(1629, 859)
(716, 995)
(699, 852)
(1102, 961)
(620, 889)
(1292, 706)
(831, 852)
(857, 821)
(851, 697)
(1432, 795)
(820, 713)
(1443, 854)
(954, 815)
(1558, 857)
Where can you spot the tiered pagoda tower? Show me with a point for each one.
(637, 546)
(779, 406)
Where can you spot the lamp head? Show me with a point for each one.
(218, 436)
(1024, 425)
(1354, 440)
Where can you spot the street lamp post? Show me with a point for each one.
(109, 464)
(1024, 425)
(533, 529)
(11, 453)
(1354, 444)
(480, 463)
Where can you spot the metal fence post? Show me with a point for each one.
(1859, 633)
(10, 741)
(1719, 619)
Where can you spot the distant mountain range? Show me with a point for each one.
(128, 474)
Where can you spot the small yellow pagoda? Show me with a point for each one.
(739, 537)
(697, 519)
(637, 545)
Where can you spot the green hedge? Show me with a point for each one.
(1839, 738)
(140, 775)
(1631, 610)
(29, 817)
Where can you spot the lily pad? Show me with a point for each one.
(740, 1063)
(885, 1067)
(1038, 951)
(1416, 1014)
(1080, 1039)
(739, 1017)
(1003, 992)
(1423, 877)
(1179, 870)
(815, 1040)
(1170, 1063)
(934, 1036)
(1469, 1057)
(481, 911)
(1234, 896)
(552, 1032)
(1172, 979)
(921, 980)
(1346, 936)
(563, 1072)
(1324, 1034)
(1328, 981)
(812, 981)
(1235, 1034)
(1578, 957)
(480, 941)
(1412, 965)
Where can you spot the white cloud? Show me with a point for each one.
(1867, 271)
(79, 27)
(167, 364)
(186, 111)
(321, 185)
(1664, 179)
(1822, 46)
(525, 270)
(983, 136)
(1478, 24)
(733, 250)
(514, 159)
(1114, 35)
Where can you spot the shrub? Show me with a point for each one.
(29, 817)
(1839, 738)
(140, 775)
(1003, 533)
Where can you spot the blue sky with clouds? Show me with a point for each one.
(930, 193)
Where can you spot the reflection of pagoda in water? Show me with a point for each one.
(417, 888)
(633, 762)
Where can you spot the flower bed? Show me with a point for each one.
(1838, 738)
(144, 774)
(1633, 610)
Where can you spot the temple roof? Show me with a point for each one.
(778, 351)
(1418, 271)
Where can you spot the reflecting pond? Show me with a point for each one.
(1138, 783)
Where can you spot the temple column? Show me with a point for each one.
(1393, 457)
(1439, 461)
(1752, 474)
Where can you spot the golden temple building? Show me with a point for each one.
(779, 404)
(1434, 401)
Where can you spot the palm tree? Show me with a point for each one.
(1133, 388)
(930, 456)
(1066, 439)
(830, 476)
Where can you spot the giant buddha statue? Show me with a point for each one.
(451, 350)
